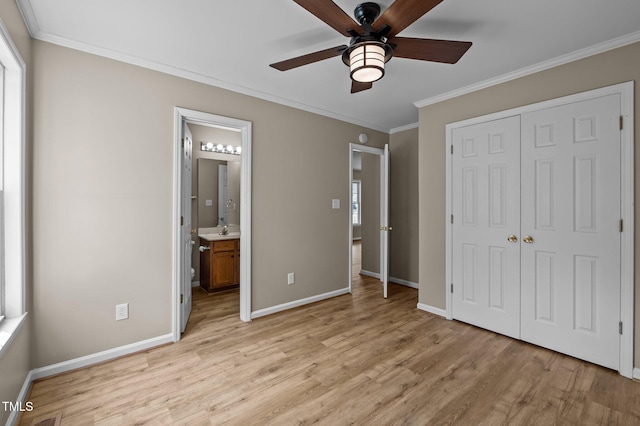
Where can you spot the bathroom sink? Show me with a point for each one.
(218, 237)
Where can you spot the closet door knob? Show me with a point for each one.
(528, 239)
(512, 238)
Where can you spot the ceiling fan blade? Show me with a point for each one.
(424, 49)
(403, 13)
(356, 86)
(330, 13)
(309, 58)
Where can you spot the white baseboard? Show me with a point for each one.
(83, 361)
(636, 373)
(404, 282)
(391, 279)
(22, 397)
(432, 310)
(369, 273)
(296, 303)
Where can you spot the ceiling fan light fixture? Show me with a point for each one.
(366, 62)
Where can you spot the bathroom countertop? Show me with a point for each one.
(218, 237)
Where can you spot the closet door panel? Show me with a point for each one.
(570, 210)
(486, 210)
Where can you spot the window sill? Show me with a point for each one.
(9, 328)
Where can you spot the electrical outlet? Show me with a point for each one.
(291, 278)
(122, 311)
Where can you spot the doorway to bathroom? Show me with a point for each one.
(183, 235)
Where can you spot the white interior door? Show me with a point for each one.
(570, 228)
(385, 227)
(185, 228)
(486, 225)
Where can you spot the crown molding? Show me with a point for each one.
(403, 128)
(29, 17)
(545, 65)
(36, 33)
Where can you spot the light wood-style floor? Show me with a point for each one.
(354, 359)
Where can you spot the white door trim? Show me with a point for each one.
(206, 119)
(626, 91)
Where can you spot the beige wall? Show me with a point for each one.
(370, 198)
(612, 67)
(403, 205)
(16, 362)
(103, 199)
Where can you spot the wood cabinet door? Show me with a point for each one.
(224, 268)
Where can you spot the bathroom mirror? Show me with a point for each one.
(218, 193)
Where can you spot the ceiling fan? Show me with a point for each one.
(374, 40)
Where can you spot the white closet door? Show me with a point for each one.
(570, 229)
(486, 212)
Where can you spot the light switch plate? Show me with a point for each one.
(335, 203)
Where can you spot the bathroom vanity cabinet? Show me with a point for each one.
(219, 264)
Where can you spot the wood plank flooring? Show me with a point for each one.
(354, 359)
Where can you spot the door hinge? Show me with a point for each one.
(181, 298)
(181, 220)
(621, 225)
(451, 149)
(451, 218)
(621, 120)
(620, 327)
(182, 142)
(451, 287)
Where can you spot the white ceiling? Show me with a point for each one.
(230, 44)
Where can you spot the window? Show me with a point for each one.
(2, 248)
(12, 194)
(355, 202)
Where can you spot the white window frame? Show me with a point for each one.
(359, 183)
(12, 225)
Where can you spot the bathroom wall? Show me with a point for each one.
(233, 192)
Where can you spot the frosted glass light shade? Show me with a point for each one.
(367, 63)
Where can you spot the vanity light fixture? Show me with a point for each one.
(229, 149)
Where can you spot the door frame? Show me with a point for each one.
(206, 119)
(384, 209)
(626, 92)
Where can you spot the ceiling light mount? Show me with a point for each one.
(366, 13)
